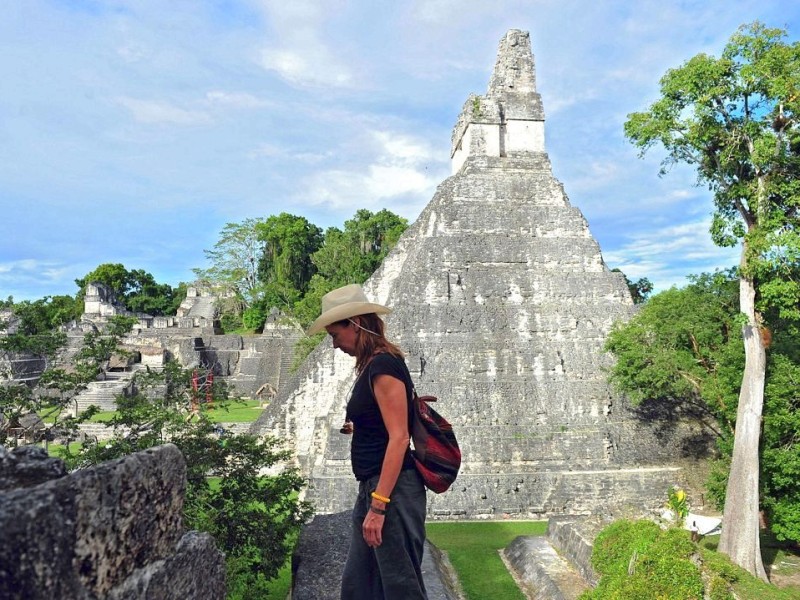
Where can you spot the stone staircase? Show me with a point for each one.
(103, 393)
(203, 307)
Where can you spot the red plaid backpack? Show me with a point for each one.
(436, 452)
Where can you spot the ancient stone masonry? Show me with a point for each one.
(192, 337)
(112, 531)
(502, 301)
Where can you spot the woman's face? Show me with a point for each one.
(343, 336)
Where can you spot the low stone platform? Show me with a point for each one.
(541, 572)
(321, 552)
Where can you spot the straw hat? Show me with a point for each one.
(343, 303)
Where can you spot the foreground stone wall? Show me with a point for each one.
(113, 531)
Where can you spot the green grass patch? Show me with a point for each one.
(57, 450)
(278, 588)
(103, 417)
(238, 411)
(473, 550)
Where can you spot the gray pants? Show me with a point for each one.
(392, 570)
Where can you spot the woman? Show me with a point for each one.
(389, 514)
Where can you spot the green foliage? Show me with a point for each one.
(615, 544)
(253, 518)
(33, 328)
(285, 262)
(726, 580)
(676, 502)
(684, 345)
(234, 260)
(683, 349)
(734, 118)
(476, 107)
(353, 254)
(114, 275)
(639, 561)
(152, 298)
(303, 348)
(56, 388)
(780, 458)
(254, 317)
(230, 321)
(46, 314)
(719, 589)
(285, 267)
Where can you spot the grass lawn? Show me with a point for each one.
(238, 411)
(473, 550)
(54, 450)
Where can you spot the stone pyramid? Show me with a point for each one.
(502, 301)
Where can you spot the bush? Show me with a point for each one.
(639, 561)
(254, 317)
(719, 589)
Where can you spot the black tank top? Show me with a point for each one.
(370, 436)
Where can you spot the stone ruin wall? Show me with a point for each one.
(100, 304)
(192, 338)
(112, 531)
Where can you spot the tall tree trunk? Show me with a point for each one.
(740, 524)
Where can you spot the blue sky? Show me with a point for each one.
(132, 131)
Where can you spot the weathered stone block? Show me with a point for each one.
(114, 527)
(27, 466)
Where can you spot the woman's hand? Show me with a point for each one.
(372, 527)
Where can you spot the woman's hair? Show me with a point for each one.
(371, 338)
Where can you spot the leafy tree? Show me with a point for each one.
(684, 347)
(148, 296)
(352, 255)
(682, 352)
(780, 460)
(56, 387)
(234, 261)
(349, 256)
(35, 325)
(46, 314)
(114, 275)
(289, 242)
(735, 119)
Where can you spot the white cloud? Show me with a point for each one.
(313, 67)
(403, 149)
(298, 51)
(342, 189)
(235, 99)
(667, 255)
(275, 150)
(154, 112)
(404, 170)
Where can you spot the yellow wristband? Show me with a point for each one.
(377, 496)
